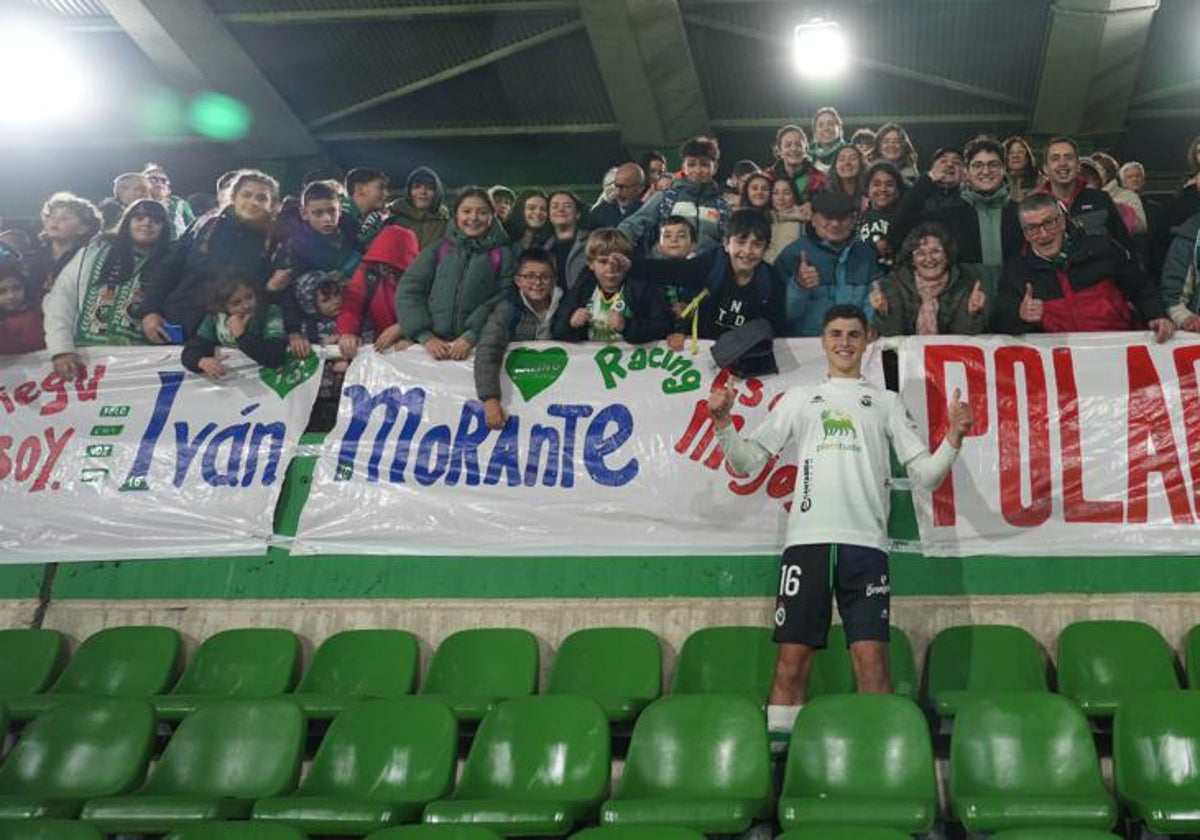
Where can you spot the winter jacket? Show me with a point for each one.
(1180, 287)
(1094, 211)
(451, 288)
(808, 180)
(306, 250)
(429, 225)
(179, 287)
(701, 203)
(904, 304)
(847, 272)
(608, 214)
(263, 340)
(786, 228)
(923, 203)
(1096, 285)
(511, 320)
(369, 293)
(317, 328)
(21, 332)
(647, 317)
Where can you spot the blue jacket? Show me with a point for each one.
(847, 272)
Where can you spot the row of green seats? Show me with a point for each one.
(542, 765)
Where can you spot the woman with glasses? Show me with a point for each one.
(929, 293)
(179, 212)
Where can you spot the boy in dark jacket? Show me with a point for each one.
(609, 305)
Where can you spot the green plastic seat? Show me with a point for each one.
(638, 832)
(235, 831)
(83, 747)
(981, 659)
(726, 660)
(379, 764)
(1053, 833)
(116, 662)
(1026, 759)
(538, 765)
(618, 667)
(435, 832)
(222, 757)
(473, 670)
(864, 759)
(48, 830)
(30, 659)
(248, 662)
(1156, 760)
(696, 761)
(355, 665)
(1100, 663)
(1191, 656)
(833, 671)
(843, 832)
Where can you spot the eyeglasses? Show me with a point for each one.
(158, 179)
(1034, 228)
(536, 278)
(986, 166)
(625, 186)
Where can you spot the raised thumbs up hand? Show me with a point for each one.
(977, 300)
(877, 299)
(1032, 309)
(961, 417)
(806, 274)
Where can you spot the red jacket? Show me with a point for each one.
(395, 246)
(21, 332)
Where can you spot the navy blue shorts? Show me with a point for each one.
(858, 577)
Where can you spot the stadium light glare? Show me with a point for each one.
(47, 83)
(820, 48)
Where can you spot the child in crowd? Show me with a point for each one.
(607, 304)
(420, 208)
(525, 315)
(319, 294)
(676, 241)
(695, 197)
(447, 294)
(369, 299)
(236, 320)
(20, 311)
(362, 206)
(320, 243)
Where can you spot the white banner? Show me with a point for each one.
(608, 450)
(1084, 444)
(138, 457)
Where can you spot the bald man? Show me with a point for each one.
(629, 182)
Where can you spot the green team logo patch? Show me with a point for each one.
(294, 373)
(838, 424)
(533, 371)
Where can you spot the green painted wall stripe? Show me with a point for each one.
(21, 580)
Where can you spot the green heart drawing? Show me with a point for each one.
(533, 371)
(295, 372)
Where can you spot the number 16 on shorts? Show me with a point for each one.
(789, 581)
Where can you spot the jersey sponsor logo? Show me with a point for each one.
(881, 588)
(865, 401)
(816, 400)
(780, 617)
(806, 486)
(837, 424)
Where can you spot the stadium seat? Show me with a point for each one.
(618, 667)
(726, 660)
(116, 662)
(1156, 760)
(843, 832)
(30, 660)
(358, 664)
(1100, 663)
(863, 759)
(833, 671)
(981, 659)
(1026, 759)
(379, 764)
(249, 662)
(473, 670)
(435, 832)
(638, 832)
(1191, 656)
(83, 747)
(697, 761)
(222, 757)
(1053, 833)
(48, 830)
(538, 765)
(235, 831)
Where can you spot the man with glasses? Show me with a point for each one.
(1066, 280)
(629, 182)
(179, 212)
(979, 217)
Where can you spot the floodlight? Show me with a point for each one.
(820, 48)
(46, 80)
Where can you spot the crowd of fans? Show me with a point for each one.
(989, 238)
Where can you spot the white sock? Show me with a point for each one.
(782, 718)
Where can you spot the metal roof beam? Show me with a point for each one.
(645, 61)
(880, 119)
(397, 12)
(472, 131)
(450, 72)
(191, 48)
(1090, 66)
